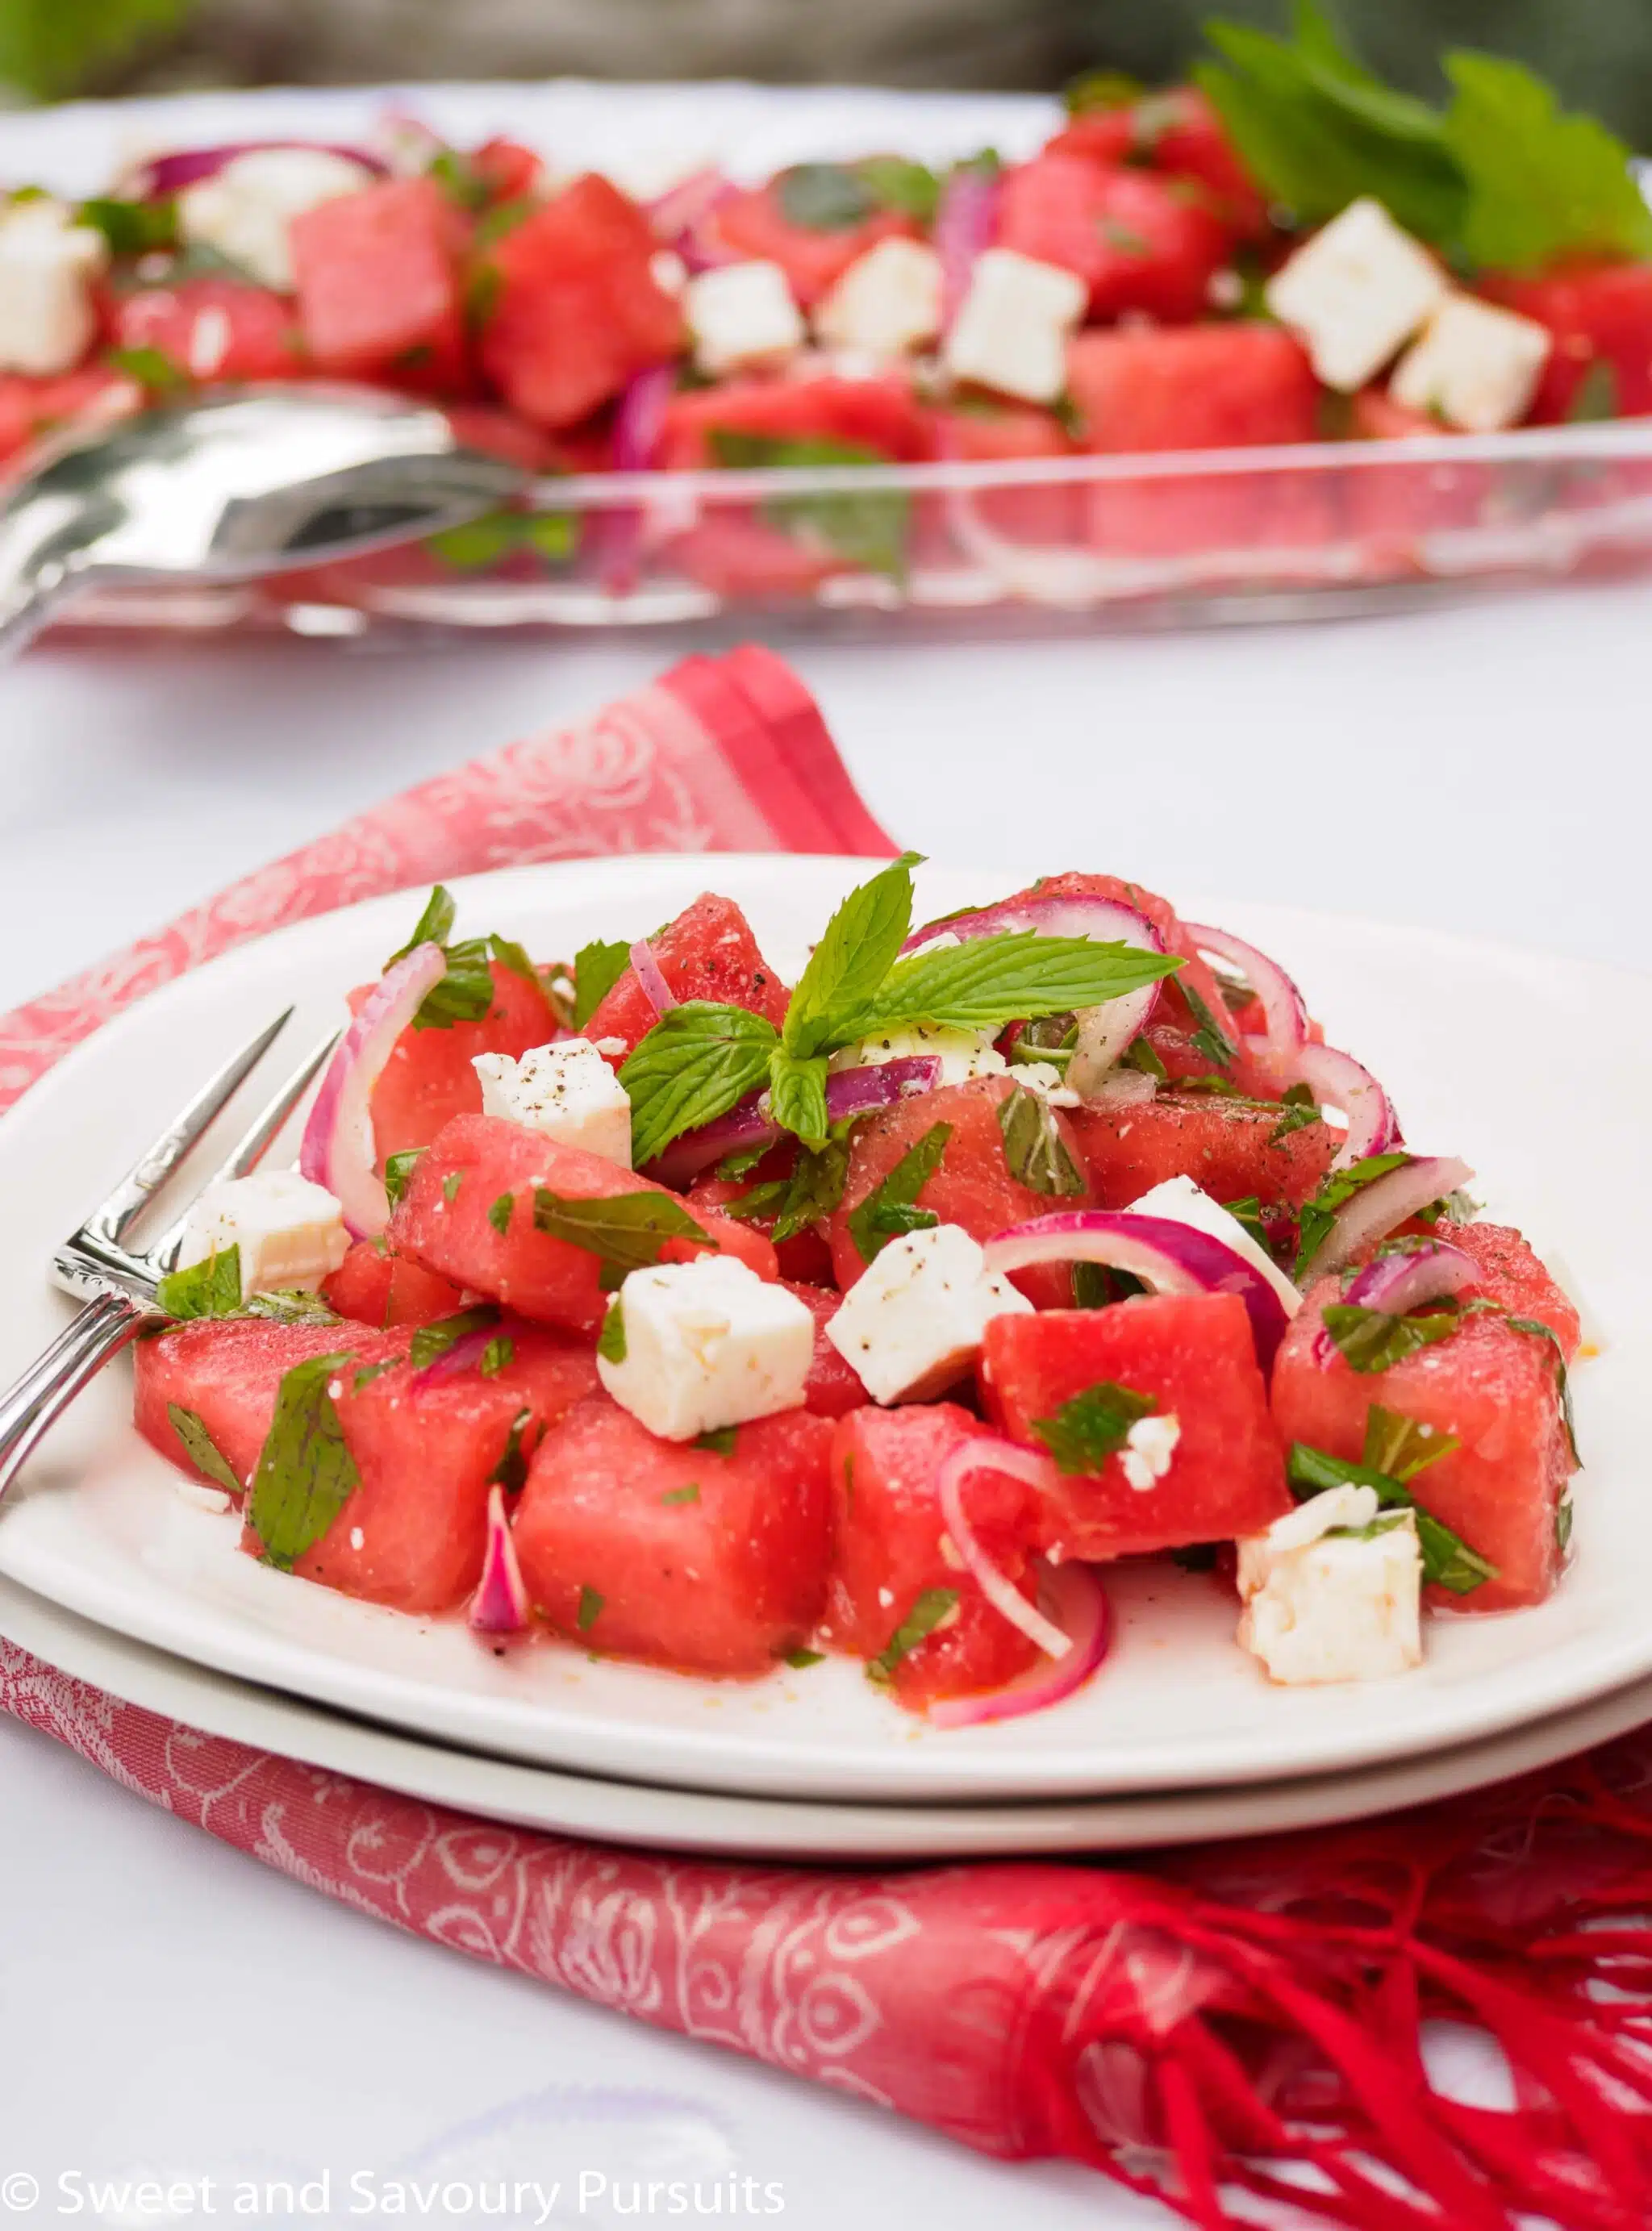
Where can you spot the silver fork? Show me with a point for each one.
(116, 1284)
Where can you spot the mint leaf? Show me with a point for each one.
(1319, 1215)
(1447, 1561)
(511, 1470)
(1399, 1447)
(867, 526)
(933, 1605)
(811, 1191)
(719, 1441)
(1093, 1426)
(1295, 1116)
(434, 926)
(611, 1340)
(306, 1474)
(1142, 1054)
(431, 1341)
(697, 1064)
(208, 1289)
(590, 1611)
(1211, 1039)
(1035, 1154)
(861, 944)
(990, 982)
(1372, 1340)
(451, 1184)
(398, 1170)
(742, 1162)
(201, 1449)
(295, 1305)
(597, 968)
(498, 1355)
(151, 368)
(889, 1210)
(1595, 395)
(688, 1494)
(797, 1096)
(626, 1230)
(826, 196)
(1563, 1383)
(499, 1213)
(465, 993)
(1247, 1211)
(131, 228)
(459, 180)
(896, 184)
(800, 1660)
(1542, 184)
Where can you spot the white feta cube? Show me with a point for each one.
(47, 263)
(1182, 1202)
(688, 1347)
(740, 314)
(912, 1323)
(290, 1233)
(1149, 1451)
(566, 1092)
(1333, 1592)
(244, 211)
(886, 302)
(1356, 292)
(1011, 331)
(1476, 367)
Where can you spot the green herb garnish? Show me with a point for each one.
(306, 1474)
(201, 1449)
(399, 1171)
(688, 1494)
(867, 526)
(1374, 1340)
(933, 1605)
(131, 228)
(208, 1289)
(626, 1230)
(800, 1660)
(1447, 1561)
(498, 1355)
(1319, 1215)
(718, 1441)
(1210, 1038)
(597, 968)
(499, 1213)
(292, 1305)
(891, 1210)
(590, 1611)
(1035, 1154)
(611, 1340)
(1093, 1426)
(431, 1341)
(511, 1470)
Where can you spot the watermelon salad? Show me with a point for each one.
(636, 1303)
(1283, 252)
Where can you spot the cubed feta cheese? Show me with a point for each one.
(1356, 292)
(962, 1054)
(691, 1347)
(290, 1233)
(47, 263)
(1011, 331)
(886, 302)
(565, 1091)
(742, 314)
(1184, 1202)
(1323, 1603)
(1148, 1450)
(1476, 367)
(244, 211)
(912, 1323)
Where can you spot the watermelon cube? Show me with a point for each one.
(988, 431)
(804, 1256)
(31, 406)
(881, 414)
(211, 328)
(1192, 1356)
(1495, 1391)
(428, 1445)
(469, 1211)
(1512, 1276)
(640, 1548)
(832, 1389)
(755, 224)
(1233, 1149)
(569, 307)
(376, 1287)
(971, 1185)
(708, 952)
(429, 1079)
(1138, 242)
(1179, 133)
(377, 275)
(890, 1553)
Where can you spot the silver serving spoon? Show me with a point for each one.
(231, 485)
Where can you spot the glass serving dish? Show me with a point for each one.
(1068, 544)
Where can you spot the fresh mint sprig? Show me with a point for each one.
(465, 993)
(703, 1058)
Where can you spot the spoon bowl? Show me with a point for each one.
(231, 485)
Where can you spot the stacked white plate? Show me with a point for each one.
(107, 1570)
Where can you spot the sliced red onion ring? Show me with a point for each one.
(1283, 1005)
(163, 175)
(467, 1351)
(1377, 1209)
(647, 972)
(682, 206)
(848, 1092)
(500, 1605)
(1171, 1258)
(338, 1150)
(1337, 1080)
(963, 226)
(1396, 1283)
(988, 1452)
(639, 418)
(1071, 1597)
(1104, 1031)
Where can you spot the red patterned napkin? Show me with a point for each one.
(1237, 2027)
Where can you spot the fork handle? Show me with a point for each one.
(36, 1399)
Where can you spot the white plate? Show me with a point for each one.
(1482, 1051)
(767, 1827)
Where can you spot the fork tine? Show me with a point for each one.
(254, 1143)
(157, 1163)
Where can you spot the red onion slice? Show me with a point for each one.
(500, 1605)
(1378, 1208)
(1283, 1005)
(1171, 1258)
(646, 969)
(1337, 1080)
(1429, 1271)
(964, 224)
(466, 1352)
(848, 1092)
(988, 1452)
(1104, 1031)
(163, 175)
(1073, 1598)
(639, 418)
(683, 206)
(338, 1150)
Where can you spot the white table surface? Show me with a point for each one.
(164, 2003)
